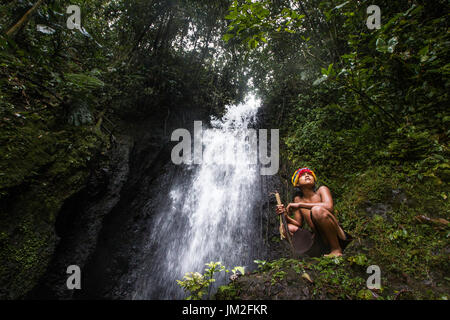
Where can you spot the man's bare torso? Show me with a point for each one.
(305, 213)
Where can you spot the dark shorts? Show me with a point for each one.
(325, 248)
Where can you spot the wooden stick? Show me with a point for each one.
(24, 19)
(283, 223)
(277, 196)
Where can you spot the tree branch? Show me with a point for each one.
(24, 19)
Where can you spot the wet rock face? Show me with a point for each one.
(114, 270)
(49, 175)
(80, 221)
(101, 227)
(397, 197)
(263, 286)
(380, 209)
(120, 240)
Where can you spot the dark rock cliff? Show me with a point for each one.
(99, 226)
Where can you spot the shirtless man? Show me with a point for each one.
(320, 203)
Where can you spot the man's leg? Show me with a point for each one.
(292, 228)
(329, 228)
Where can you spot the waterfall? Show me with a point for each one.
(211, 214)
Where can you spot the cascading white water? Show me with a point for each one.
(211, 215)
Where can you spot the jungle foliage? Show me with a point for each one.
(64, 92)
(368, 111)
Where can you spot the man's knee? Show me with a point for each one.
(320, 213)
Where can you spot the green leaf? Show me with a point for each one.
(330, 69)
(392, 43)
(226, 37)
(365, 294)
(82, 80)
(381, 45)
(232, 15)
(240, 269)
(252, 43)
(320, 80)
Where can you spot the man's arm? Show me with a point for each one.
(327, 201)
(297, 221)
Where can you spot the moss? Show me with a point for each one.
(25, 253)
(227, 292)
(410, 253)
(412, 256)
(42, 164)
(28, 235)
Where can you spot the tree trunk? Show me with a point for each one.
(24, 19)
(166, 33)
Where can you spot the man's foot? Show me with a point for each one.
(333, 254)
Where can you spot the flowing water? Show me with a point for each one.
(212, 211)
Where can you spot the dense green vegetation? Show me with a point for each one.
(64, 92)
(366, 109)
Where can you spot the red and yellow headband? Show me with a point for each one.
(297, 174)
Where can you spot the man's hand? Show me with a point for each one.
(281, 209)
(293, 205)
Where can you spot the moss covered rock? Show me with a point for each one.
(41, 166)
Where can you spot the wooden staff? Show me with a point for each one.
(277, 196)
(283, 223)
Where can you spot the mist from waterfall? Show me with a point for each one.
(210, 211)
